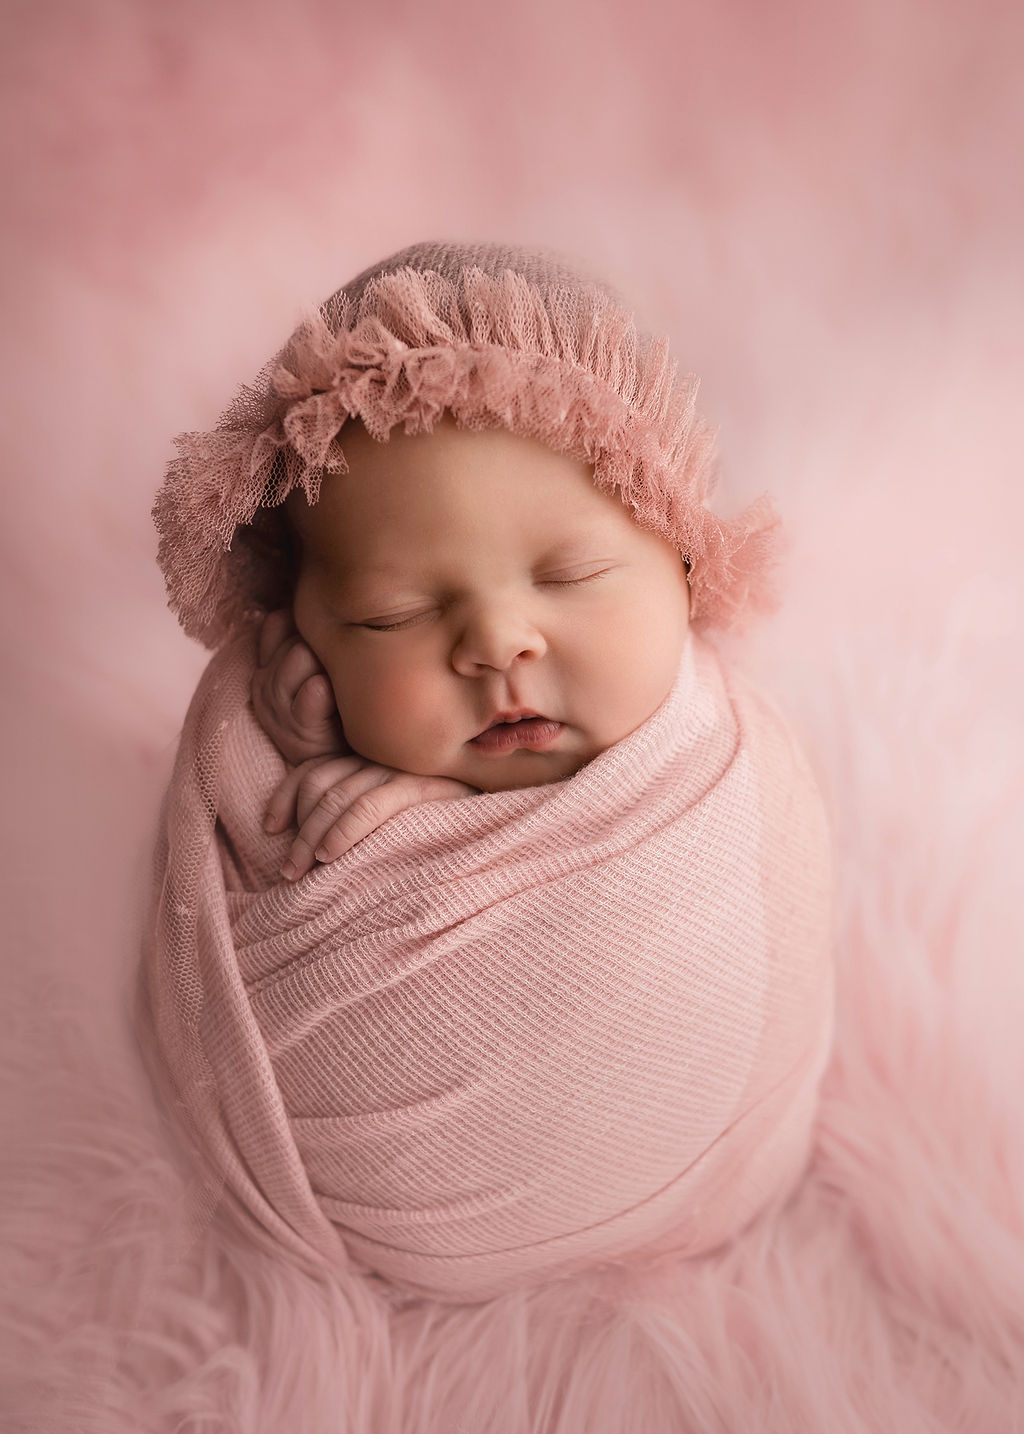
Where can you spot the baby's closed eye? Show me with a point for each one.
(559, 578)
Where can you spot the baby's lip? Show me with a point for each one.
(517, 714)
(510, 731)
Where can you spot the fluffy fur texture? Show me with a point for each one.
(499, 338)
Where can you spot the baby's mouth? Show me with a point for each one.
(509, 731)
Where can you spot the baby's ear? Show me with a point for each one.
(687, 591)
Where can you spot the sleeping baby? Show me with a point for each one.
(491, 929)
(488, 619)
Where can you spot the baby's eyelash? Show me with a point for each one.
(572, 582)
(395, 626)
(422, 616)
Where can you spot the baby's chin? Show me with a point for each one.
(508, 773)
(516, 770)
(516, 781)
(538, 760)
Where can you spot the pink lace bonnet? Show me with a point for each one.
(499, 338)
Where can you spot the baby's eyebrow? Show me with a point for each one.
(575, 548)
(351, 575)
(391, 584)
(392, 576)
(376, 591)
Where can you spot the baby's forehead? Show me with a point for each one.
(392, 541)
(453, 487)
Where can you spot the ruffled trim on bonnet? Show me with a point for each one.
(562, 365)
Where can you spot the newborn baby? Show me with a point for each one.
(543, 979)
(487, 617)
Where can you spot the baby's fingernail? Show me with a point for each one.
(270, 822)
(322, 854)
(289, 871)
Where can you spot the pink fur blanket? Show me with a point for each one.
(826, 216)
(510, 1036)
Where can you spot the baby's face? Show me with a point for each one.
(455, 581)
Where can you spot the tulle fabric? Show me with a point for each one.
(542, 353)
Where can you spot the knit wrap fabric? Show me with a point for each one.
(497, 337)
(508, 1036)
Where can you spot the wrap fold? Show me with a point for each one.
(508, 1036)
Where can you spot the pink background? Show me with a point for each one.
(821, 202)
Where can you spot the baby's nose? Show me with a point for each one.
(493, 640)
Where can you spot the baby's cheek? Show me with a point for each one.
(631, 678)
(396, 719)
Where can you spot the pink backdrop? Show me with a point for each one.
(821, 202)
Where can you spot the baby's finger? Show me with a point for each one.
(313, 704)
(280, 812)
(332, 784)
(276, 627)
(294, 663)
(311, 778)
(368, 811)
(329, 810)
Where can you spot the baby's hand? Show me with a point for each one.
(292, 696)
(336, 801)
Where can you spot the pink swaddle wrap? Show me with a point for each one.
(512, 1035)
(527, 1031)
